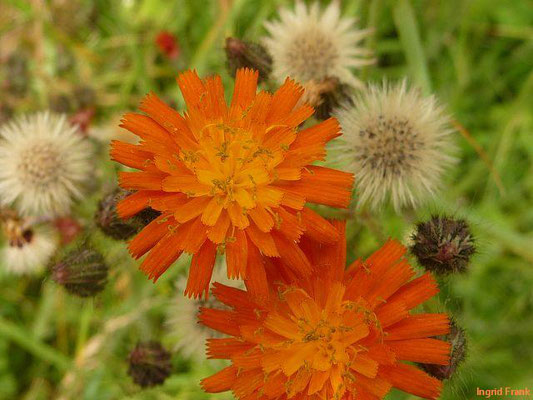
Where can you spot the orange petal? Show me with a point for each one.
(322, 132)
(255, 280)
(161, 257)
(292, 255)
(217, 233)
(318, 228)
(225, 348)
(192, 235)
(279, 138)
(298, 116)
(170, 120)
(201, 270)
(150, 235)
(269, 196)
(419, 326)
(231, 296)
(292, 200)
(322, 186)
(411, 380)
(149, 130)
(318, 380)
(237, 216)
(376, 386)
(247, 382)
(131, 205)
(283, 101)
(262, 240)
(167, 201)
(140, 180)
(192, 88)
(129, 154)
(261, 218)
(245, 88)
(212, 211)
(220, 320)
(417, 291)
(188, 184)
(215, 101)
(391, 312)
(387, 283)
(237, 255)
(192, 209)
(290, 225)
(365, 366)
(222, 381)
(429, 351)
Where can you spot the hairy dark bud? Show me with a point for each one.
(112, 225)
(242, 54)
(443, 245)
(149, 364)
(83, 272)
(457, 339)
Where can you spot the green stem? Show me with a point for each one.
(39, 349)
(85, 322)
(405, 20)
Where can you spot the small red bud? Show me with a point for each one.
(168, 44)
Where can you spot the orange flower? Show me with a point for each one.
(337, 334)
(231, 178)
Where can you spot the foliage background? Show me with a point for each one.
(476, 55)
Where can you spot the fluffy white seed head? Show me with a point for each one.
(44, 163)
(29, 251)
(396, 142)
(187, 335)
(308, 44)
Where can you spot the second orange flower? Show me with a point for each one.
(233, 179)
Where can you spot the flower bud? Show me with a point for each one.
(457, 339)
(83, 272)
(149, 364)
(112, 225)
(325, 95)
(241, 54)
(443, 245)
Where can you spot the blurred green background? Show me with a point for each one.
(475, 55)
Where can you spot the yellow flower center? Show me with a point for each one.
(232, 164)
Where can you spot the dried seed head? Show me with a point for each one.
(44, 164)
(242, 54)
(149, 364)
(457, 339)
(112, 225)
(311, 43)
(83, 272)
(443, 245)
(397, 142)
(28, 249)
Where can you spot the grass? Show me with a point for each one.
(474, 55)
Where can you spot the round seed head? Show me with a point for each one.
(397, 142)
(313, 44)
(44, 163)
